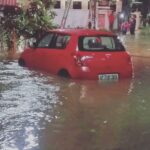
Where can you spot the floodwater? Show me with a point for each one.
(46, 112)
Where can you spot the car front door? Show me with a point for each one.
(56, 57)
(42, 46)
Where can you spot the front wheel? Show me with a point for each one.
(21, 62)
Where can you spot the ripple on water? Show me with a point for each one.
(24, 99)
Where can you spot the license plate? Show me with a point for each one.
(108, 77)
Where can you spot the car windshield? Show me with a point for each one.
(100, 43)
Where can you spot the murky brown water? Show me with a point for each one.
(46, 112)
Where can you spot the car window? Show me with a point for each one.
(109, 42)
(45, 41)
(118, 44)
(99, 43)
(61, 41)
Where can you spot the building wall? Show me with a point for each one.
(84, 3)
(76, 17)
(80, 17)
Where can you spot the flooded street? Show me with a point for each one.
(46, 112)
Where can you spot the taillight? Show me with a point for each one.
(82, 60)
(78, 60)
(129, 59)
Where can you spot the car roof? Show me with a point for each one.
(84, 32)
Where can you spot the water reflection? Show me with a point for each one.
(90, 116)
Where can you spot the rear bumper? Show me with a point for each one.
(87, 73)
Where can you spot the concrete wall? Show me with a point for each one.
(76, 18)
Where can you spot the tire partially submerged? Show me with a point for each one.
(21, 62)
(64, 73)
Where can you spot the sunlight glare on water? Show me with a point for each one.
(24, 99)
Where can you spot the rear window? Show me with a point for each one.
(100, 43)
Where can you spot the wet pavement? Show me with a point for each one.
(137, 45)
(46, 112)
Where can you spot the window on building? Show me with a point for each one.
(136, 6)
(103, 3)
(77, 5)
(66, 4)
(57, 5)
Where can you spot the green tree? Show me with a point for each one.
(28, 20)
(38, 16)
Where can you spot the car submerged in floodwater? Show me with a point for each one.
(79, 53)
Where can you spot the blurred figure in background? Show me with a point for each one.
(132, 24)
(125, 26)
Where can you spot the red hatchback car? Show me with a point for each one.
(79, 53)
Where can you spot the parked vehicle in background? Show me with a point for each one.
(79, 53)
